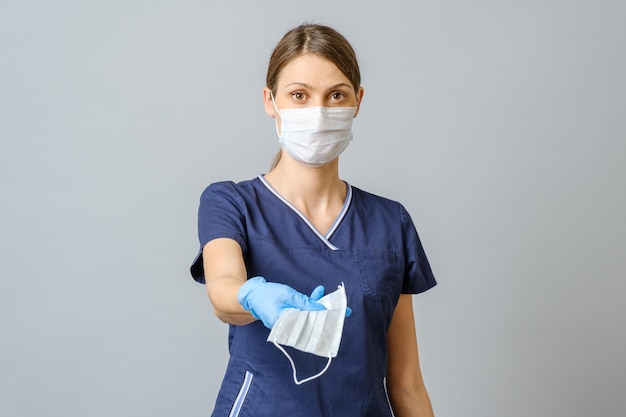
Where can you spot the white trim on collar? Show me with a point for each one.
(324, 238)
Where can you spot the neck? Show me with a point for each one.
(303, 185)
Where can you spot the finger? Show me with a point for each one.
(313, 306)
(303, 302)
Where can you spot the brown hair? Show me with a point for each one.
(319, 40)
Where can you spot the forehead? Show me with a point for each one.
(312, 70)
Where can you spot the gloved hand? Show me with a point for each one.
(318, 293)
(266, 300)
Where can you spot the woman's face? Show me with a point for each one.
(311, 81)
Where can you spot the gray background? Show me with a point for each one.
(500, 125)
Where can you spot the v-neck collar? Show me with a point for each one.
(323, 237)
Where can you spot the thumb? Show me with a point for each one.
(317, 293)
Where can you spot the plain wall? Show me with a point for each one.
(500, 125)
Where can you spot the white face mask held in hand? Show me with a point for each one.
(317, 332)
(315, 135)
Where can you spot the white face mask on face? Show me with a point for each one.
(315, 135)
(317, 332)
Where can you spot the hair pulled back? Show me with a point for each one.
(319, 40)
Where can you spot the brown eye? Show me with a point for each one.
(298, 96)
(337, 95)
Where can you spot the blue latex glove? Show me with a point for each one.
(267, 300)
(318, 293)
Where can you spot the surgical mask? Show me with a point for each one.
(315, 135)
(316, 332)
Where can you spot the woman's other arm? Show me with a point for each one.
(405, 386)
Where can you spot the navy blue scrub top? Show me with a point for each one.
(373, 248)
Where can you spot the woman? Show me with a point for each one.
(268, 242)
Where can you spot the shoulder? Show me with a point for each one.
(376, 206)
(374, 201)
(228, 186)
(229, 189)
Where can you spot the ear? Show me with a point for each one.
(267, 102)
(359, 97)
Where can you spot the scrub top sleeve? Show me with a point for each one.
(220, 215)
(418, 276)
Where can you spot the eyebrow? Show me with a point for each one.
(305, 85)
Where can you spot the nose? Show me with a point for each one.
(317, 100)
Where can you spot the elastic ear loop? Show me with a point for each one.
(277, 111)
(293, 366)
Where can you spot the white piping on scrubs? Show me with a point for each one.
(387, 396)
(241, 396)
(323, 238)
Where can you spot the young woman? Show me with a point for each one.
(268, 242)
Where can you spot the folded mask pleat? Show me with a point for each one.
(316, 325)
(317, 332)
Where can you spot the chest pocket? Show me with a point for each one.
(381, 274)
